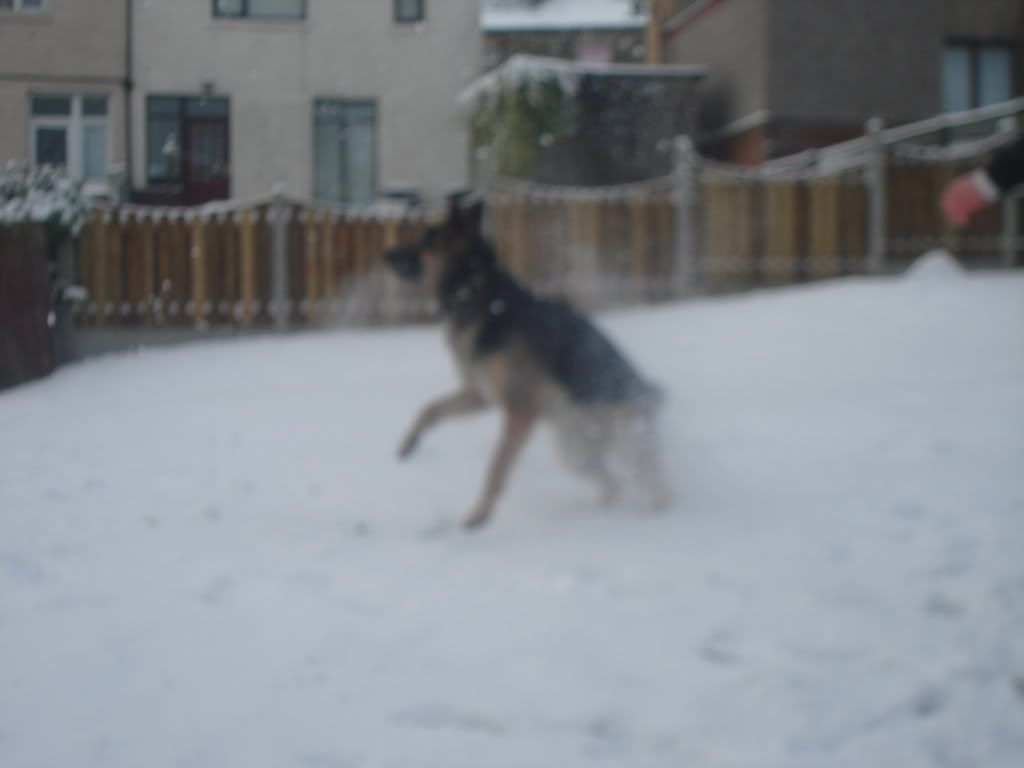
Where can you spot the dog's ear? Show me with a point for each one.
(465, 212)
(454, 210)
(473, 214)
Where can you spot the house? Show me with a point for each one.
(788, 75)
(194, 100)
(64, 85)
(338, 100)
(595, 31)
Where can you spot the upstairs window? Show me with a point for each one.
(259, 9)
(410, 11)
(976, 75)
(21, 5)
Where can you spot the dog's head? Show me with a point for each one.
(457, 242)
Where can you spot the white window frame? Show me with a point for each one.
(20, 8)
(974, 49)
(75, 125)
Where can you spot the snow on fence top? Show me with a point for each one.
(851, 152)
(262, 208)
(523, 15)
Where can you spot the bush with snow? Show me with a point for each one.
(521, 108)
(44, 195)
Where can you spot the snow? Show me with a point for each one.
(533, 71)
(522, 15)
(524, 70)
(43, 194)
(939, 264)
(209, 555)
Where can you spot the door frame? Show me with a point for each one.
(195, 192)
(183, 190)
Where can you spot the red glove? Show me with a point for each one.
(966, 194)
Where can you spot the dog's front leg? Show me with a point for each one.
(464, 401)
(518, 421)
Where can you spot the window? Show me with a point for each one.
(71, 131)
(21, 5)
(345, 150)
(260, 9)
(976, 75)
(163, 139)
(408, 11)
(180, 129)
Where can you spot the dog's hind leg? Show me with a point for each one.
(645, 457)
(586, 456)
(462, 402)
(583, 443)
(519, 420)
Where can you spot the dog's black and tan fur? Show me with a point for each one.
(535, 358)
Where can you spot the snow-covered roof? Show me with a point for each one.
(523, 68)
(523, 15)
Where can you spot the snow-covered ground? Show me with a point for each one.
(209, 556)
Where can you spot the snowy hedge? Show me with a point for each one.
(526, 105)
(44, 195)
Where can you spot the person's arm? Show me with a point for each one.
(970, 192)
(1007, 167)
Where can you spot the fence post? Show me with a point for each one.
(100, 289)
(1011, 226)
(148, 268)
(279, 216)
(1010, 204)
(877, 197)
(685, 195)
(248, 265)
(312, 292)
(63, 302)
(198, 257)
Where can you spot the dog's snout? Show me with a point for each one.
(406, 261)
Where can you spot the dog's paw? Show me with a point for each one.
(476, 520)
(408, 447)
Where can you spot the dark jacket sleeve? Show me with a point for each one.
(1007, 166)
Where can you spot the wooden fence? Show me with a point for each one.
(620, 246)
(159, 267)
(151, 267)
(26, 341)
(708, 227)
(758, 230)
(916, 177)
(600, 247)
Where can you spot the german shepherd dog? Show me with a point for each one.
(535, 358)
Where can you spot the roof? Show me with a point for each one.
(689, 16)
(533, 15)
